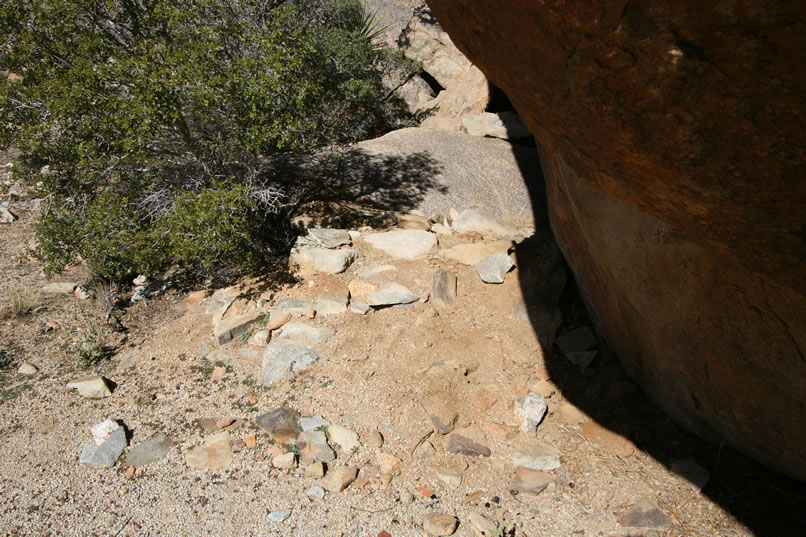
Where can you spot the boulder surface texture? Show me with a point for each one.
(672, 140)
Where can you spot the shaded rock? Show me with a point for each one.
(472, 254)
(91, 387)
(259, 339)
(608, 439)
(338, 479)
(106, 454)
(151, 450)
(281, 359)
(439, 524)
(312, 423)
(330, 238)
(313, 446)
(28, 369)
(316, 492)
(494, 268)
(282, 424)
(309, 261)
(279, 516)
(231, 328)
(691, 471)
(504, 125)
(479, 221)
(531, 408)
(645, 513)
(392, 294)
(155, 288)
(283, 309)
(306, 333)
(443, 288)
(326, 305)
(581, 359)
(461, 444)
(538, 457)
(60, 288)
(403, 244)
(577, 340)
(345, 438)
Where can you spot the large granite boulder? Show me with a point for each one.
(672, 140)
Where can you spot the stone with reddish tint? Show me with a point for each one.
(439, 524)
(531, 481)
(339, 478)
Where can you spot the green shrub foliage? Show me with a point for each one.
(150, 125)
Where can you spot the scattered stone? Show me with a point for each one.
(316, 492)
(279, 516)
(461, 444)
(538, 457)
(472, 254)
(375, 439)
(259, 338)
(391, 294)
(27, 368)
(374, 271)
(441, 409)
(81, 293)
(339, 478)
(312, 423)
(281, 424)
(493, 269)
(414, 221)
(531, 408)
(313, 446)
(225, 330)
(330, 238)
(224, 422)
(309, 261)
(425, 492)
(482, 527)
(389, 464)
(406, 497)
(151, 290)
(326, 305)
(439, 524)
(531, 481)
(608, 439)
(343, 437)
(110, 441)
(60, 288)
(691, 471)
(645, 513)
(289, 307)
(306, 333)
(151, 450)
(579, 340)
(443, 288)
(91, 387)
(499, 430)
(476, 220)
(425, 450)
(450, 477)
(218, 372)
(441, 229)
(361, 288)
(315, 469)
(280, 359)
(129, 474)
(284, 461)
(6, 216)
(311, 313)
(250, 441)
(403, 244)
(357, 306)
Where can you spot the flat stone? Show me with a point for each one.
(461, 444)
(374, 271)
(360, 307)
(471, 254)
(450, 477)
(345, 438)
(28, 369)
(404, 243)
(312, 423)
(219, 440)
(259, 339)
(478, 221)
(581, 339)
(443, 288)
(309, 261)
(531, 481)
(425, 450)
(691, 471)
(442, 411)
(374, 439)
(60, 288)
(608, 439)
(327, 305)
(289, 307)
(330, 238)
(282, 424)
(281, 359)
(481, 526)
(106, 454)
(313, 446)
(91, 387)
(538, 457)
(306, 333)
(315, 469)
(361, 288)
(645, 513)
(390, 295)
(499, 430)
(284, 461)
(339, 478)
(439, 524)
(220, 301)
(493, 268)
(207, 458)
(225, 330)
(414, 221)
(388, 463)
(316, 492)
(150, 450)
(279, 516)
(531, 408)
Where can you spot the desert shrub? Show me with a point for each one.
(87, 349)
(133, 115)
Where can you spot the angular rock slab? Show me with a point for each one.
(207, 458)
(339, 478)
(309, 261)
(282, 424)
(461, 444)
(404, 243)
(392, 294)
(60, 288)
(494, 268)
(330, 238)
(443, 288)
(106, 454)
(328, 305)
(531, 481)
(476, 220)
(228, 329)
(306, 333)
(531, 408)
(91, 387)
(151, 450)
(538, 457)
(439, 524)
(281, 359)
(290, 306)
(313, 447)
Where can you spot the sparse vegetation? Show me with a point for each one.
(23, 303)
(88, 349)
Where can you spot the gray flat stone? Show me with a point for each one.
(60, 288)
(306, 333)
(279, 516)
(313, 446)
(357, 306)
(327, 305)
(493, 268)
(374, 271)
(312, 423)
(281, 359)
(282, 424)
(105, 455)
(330, 238)
(404, 243)
(443, 288)
(391, 294)
(476, 220)
(309, 261)
(538, 457)
(151, 450)
(291, 306)
(233, 327)
(91, 387)
(316, 492)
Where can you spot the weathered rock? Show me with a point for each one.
(282, 424)
(313, 446)
(531, 481)
(151, 450)
(361, 288)
(312, 423)
(330, 238)
(479, 221)
(105, 454)
(284, 461)
(359, 307)
(91, 387)
(283, 309)
(326, 305)
(538, 457)
(259, 339)
(443, 288)
(28, 369)
(374, 439)
(316, 492)
(233, 327)
(390, 295)
(439, 524)
(151, 290)
(280, 359)
(691, 471)
(608, 439)
(442, 410)
(278, 318)
(345, 438)
(220, 301)
(468, 95)
(403, 243)
(338, 479)
(279, 516)
(450, 477)
(60, 288)
(504, 125)
(309, 261)
(481, 526)
(315, 469)
(414, 221)
(306, 333)
(494, 268)
(530, 408)
(6, 216)
(425, 450)
(472, 254)
(461, 444)
(581, 359)
(703, 207)
(645, 513)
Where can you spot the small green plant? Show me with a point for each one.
(88, 349)
(23, 303)
(325, 383)
(8, 356)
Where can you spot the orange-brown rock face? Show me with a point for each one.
(673, 141)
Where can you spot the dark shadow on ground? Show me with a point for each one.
(767, 503)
